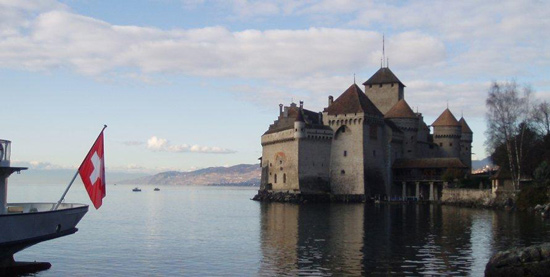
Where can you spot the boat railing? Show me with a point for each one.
(5, 151)
(14, 208)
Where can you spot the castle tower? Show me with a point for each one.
(358, 145)
(403, 116)
(447, 134)
(466, 143)
(299, 126)
(384, 89)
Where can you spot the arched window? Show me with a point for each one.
(284, 178)
(275, 179)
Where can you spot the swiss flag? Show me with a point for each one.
(92, 172)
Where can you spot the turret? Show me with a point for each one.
(447, 134)
(466, 143)
(299, 125)
(403, 116)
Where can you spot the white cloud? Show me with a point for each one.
(60, 38)
(38, 165)
(163, 145)
(432, 42)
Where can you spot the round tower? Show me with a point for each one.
(299, 126)
(403, 116)
(466, 143)
(447, 134)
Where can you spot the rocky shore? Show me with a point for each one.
(528, 261)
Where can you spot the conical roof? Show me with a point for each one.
(400, 110)
(383, 76)
(465, 127)
(353, 100)
(446, 119)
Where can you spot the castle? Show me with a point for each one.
(364, 144)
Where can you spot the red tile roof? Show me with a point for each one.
(383, 76)
(465, 127)
(446, 119)
(353, 100)
(400, 110)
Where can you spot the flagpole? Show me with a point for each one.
(72, 181)
(65, 193)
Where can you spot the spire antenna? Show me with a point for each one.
(354, 78)
(383, 47)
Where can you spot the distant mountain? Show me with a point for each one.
(477, 164)
(238, 175)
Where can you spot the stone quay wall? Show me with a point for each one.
(467, 197)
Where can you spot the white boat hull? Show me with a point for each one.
(31, 223)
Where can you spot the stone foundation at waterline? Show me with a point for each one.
(467, 197)
(289, 197)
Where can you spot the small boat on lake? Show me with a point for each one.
(156, 189)
(136, 189)
(25, 224)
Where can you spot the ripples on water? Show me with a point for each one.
(196, 231)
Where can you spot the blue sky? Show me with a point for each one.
(187, 84)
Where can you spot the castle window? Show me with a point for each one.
(281, 168)
(345, 153)
(373, 132)
(441, 144)
(451, 144)
(380, 85)
(284, 178)
(270, 164)
(275, 179)
(280, 162)
(343, 172)
(295, 130)
(370, 86)
(392, 85)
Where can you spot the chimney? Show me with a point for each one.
(280, 108)
(301, 105)
(330, 100)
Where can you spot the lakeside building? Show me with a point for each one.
(364, 144)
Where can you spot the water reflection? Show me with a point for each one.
(339, 239)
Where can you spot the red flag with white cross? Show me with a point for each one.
(92, 172)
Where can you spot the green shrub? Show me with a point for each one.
(530, 196)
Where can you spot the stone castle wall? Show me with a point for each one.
(314, 161)
(346, 169)
(280, 156)
(473, 197)
(448, 140)
(384, 96)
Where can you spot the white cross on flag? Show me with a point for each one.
(92, 172)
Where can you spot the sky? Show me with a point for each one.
(188, 84)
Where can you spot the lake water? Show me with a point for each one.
(205, 231)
